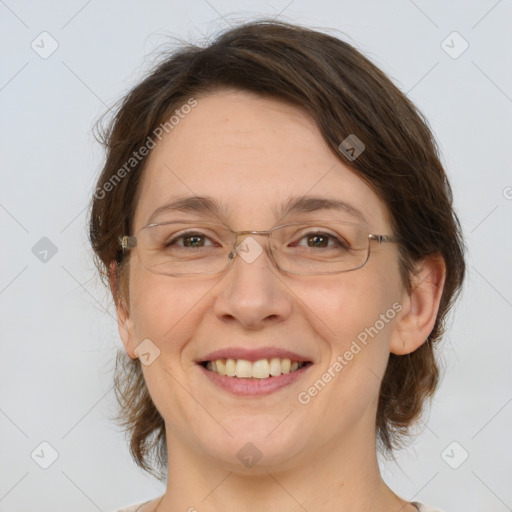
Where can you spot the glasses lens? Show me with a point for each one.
(184, 248)
(181, 248)
(322, 247)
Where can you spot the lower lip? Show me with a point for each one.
(254, 387)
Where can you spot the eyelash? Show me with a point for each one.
(339, 241)
(185, 235)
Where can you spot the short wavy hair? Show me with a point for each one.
(345, 94)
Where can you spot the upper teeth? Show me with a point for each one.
(261, 369)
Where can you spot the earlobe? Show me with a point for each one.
(124, 323)
(420, 306)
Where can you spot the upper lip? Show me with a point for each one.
(253, 354)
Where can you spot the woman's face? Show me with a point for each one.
(253, 156)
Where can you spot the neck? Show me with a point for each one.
(341, 476)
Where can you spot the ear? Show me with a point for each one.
(419, 306)
(124, 322)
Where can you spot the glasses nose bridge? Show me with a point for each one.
(246, 233)
(238, 234)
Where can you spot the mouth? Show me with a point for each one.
(261, 369)
(252, 379)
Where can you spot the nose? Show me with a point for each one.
(252, 292)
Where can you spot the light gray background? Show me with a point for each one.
(59, 335)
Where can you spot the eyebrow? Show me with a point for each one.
(211, 206)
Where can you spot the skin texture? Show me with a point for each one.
(253, 154)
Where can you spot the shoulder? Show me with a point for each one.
(424, 508)
(133, 508)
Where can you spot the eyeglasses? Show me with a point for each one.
(186, 248)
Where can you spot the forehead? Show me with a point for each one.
(255, 156)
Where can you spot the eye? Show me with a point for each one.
(193, 239)
(322, 240)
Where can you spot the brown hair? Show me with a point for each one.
(345, 94)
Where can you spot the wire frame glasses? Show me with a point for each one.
(191, 247)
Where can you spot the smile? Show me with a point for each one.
(261, 369)
(242, 377)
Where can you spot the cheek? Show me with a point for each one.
(353, 318)
(343, 307)
(167, 309)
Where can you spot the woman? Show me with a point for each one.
(277, 231)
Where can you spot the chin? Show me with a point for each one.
(256, 450)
